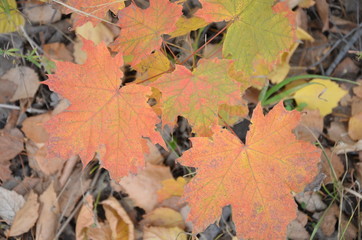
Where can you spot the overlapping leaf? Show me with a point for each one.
(256, 178)
(257, 30)
(142, 29)
(197, 95)
(92, 10)
(102, 117)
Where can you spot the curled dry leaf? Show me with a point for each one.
(10, 203)
(160, 233)
(121, 225)
(47, 224)
(142, 188)
(26, 217)
(88, 227)
(163, 217)
(26, 79)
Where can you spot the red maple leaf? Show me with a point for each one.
(256, 178)
(102, 117)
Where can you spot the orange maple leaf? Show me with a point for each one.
(256, 178)
(102, 116)
(92, 10)
(197, 95)
(142, 29)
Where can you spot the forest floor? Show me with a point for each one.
(55, 196)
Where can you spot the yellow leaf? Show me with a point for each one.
(185, 25)
(324, 95)
(10, 17)
(171, 187)
(152, 66)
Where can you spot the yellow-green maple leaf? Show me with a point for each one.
(258, 30)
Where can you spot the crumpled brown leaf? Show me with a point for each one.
(121, 225)
(26, 217)
(26, 79)
(142, 188)
(49, 214)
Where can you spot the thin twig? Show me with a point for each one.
(344, 50)
(29, 110)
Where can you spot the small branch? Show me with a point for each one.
(29, 110)
(344, 50)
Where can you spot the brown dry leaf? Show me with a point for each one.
(329, 222)
(323, 11)
(296, 230)
(153, 156)
(26, 217)
(311, 124)
(58, 51)
(87, 227)
(11, 144)
(47, 224)
(358, 90)
(5, 172)
(143, 187)
(10, 203)
(121, 225)
(77, 184)
(355, 127)
(171, 187)
(33, 127)
(163, 217)
(336, 163)
(159, 233)
(97, 34)
(356, 106)
(26, 185)
(26, 79)
(41, 13)
(347, 68)
(338, 132)
(7, 90)
(39, 161)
